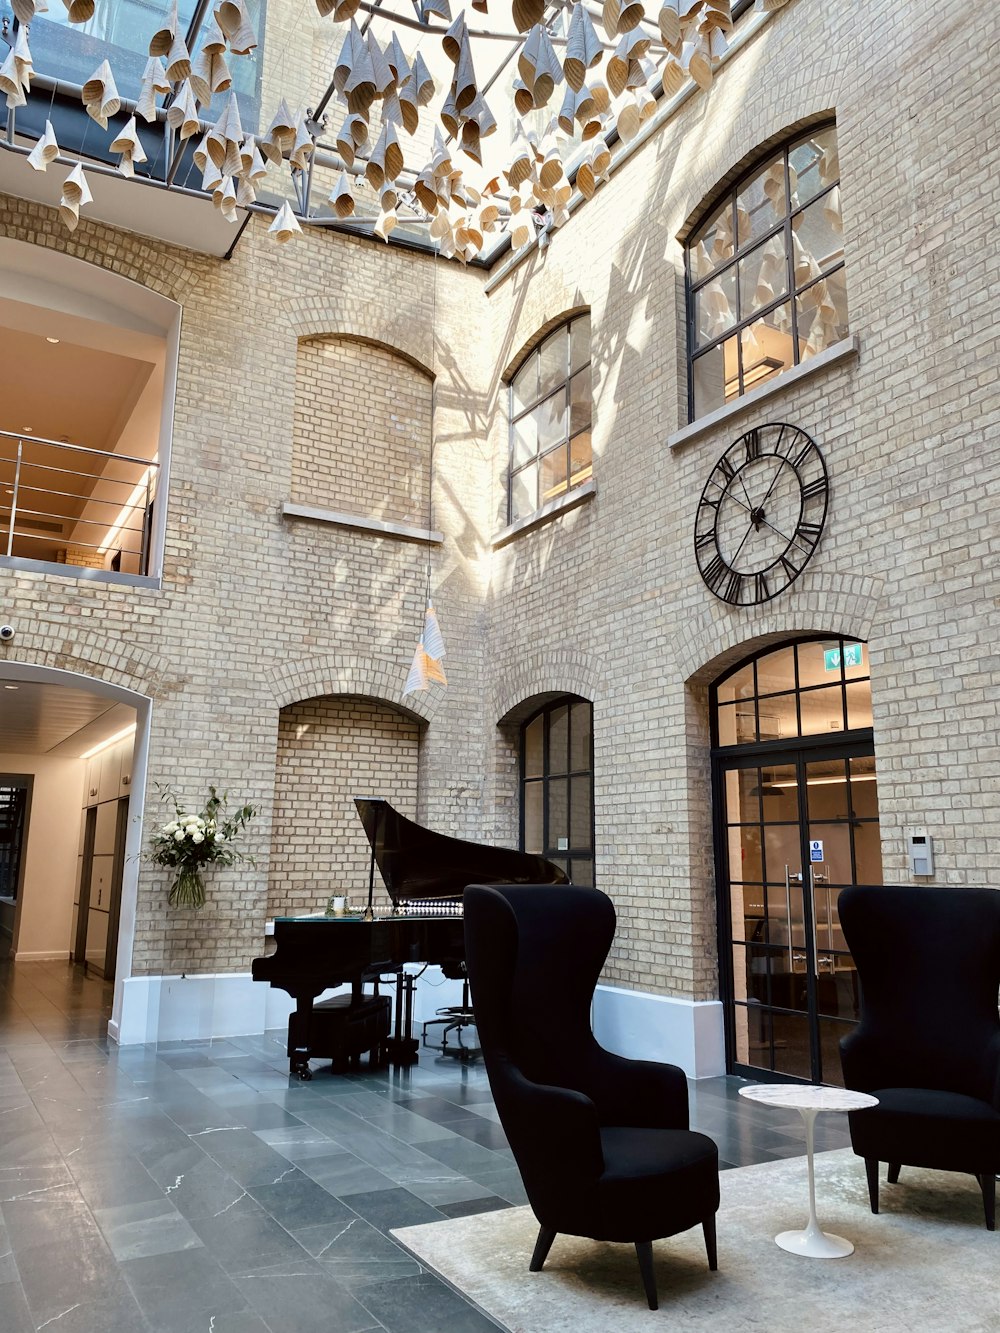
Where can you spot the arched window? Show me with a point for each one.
(557, 788)
(550, 414)
(766, 273)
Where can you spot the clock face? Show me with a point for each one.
(761, 514)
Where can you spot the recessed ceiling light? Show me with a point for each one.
(27, 428)
(10, 687)
(51, 340)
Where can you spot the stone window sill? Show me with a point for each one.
(577, 496)
(845, 350)
(21, 563)
(376, 527)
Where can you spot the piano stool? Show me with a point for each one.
(343, 1029)
(453, 1020)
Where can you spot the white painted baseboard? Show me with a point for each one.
(631, 1023)
(41, 956)
(193, 1008)
(687, 1033)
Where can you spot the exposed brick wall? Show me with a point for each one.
(362, 434)
(329, 751)
(257, 612)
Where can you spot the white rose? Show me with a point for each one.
(220, 837)
(197, 837)
(172, 827)
(179, 835)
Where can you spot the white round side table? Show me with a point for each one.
(812, 1242)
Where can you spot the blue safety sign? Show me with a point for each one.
(815, 850)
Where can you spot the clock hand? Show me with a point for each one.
(735, 555)
(735, 498)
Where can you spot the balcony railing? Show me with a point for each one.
(66, 504)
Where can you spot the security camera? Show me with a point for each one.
(6, 633)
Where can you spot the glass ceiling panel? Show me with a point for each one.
(293, 63)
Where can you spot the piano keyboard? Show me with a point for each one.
(428, 907)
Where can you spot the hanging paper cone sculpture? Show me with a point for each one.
(178, 60)
(385, 224)
(539, 65)
(211, 177)
(427, 658)
(79, 11)
(632, 46)
(355, 71)
(303, 146)
(131, 150)
(232, 18)
(352, 134)
(10, 82)
(672, 77)
(75, 195)
(225, 137)
(696, 58)
(25, 10)
(282, 129)
(341, 196)
(245, 193)
(382, 75)
(466, 89)
(523, 228)
(100, 96)
(162, 39)
(583, 47)
(670, 27)
(182, 114)
(440, 8)
(285, 225)
(454, 39)
(209, 75)
(22, 59)
(154, 83)
(46, 150)
(527, 13)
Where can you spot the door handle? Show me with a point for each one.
(788, 919)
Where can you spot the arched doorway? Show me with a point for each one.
(795, 804)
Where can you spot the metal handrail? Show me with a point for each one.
(122, 528)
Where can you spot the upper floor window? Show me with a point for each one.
(550, 415)
(766, 273)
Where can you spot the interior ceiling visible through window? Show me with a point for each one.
(331, 117)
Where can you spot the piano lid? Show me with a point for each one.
(417, 863)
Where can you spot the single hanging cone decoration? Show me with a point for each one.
(232, 18)
(100, 96)
(79, 11)
(285, 225)
(342, 197)
(163, 38)
(583, 47)
(46, 150)
(178, 60)
(25, 10)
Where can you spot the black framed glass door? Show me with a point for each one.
(795, 827)
(795, 804)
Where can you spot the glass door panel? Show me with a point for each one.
(797, 830)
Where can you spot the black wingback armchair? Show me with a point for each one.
(928, 1044)
(602, 1142)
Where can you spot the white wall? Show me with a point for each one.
(45, 910)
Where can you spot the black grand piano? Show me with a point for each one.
(425, 874)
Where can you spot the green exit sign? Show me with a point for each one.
(852, 656)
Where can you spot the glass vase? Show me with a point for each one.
(188, 889)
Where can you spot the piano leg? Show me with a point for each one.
(402, 1048)
(298, 1056)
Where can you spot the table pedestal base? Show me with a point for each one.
(814, 1244)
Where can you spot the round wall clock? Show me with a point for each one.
(761, 514)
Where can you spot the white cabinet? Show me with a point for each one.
(100, 886)
(125, 782)
(92, 784)
(111, 768)
(105, 828)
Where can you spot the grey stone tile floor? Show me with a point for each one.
(193, 1187)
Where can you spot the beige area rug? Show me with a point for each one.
(926, 1264)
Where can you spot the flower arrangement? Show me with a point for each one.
(189, 843)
